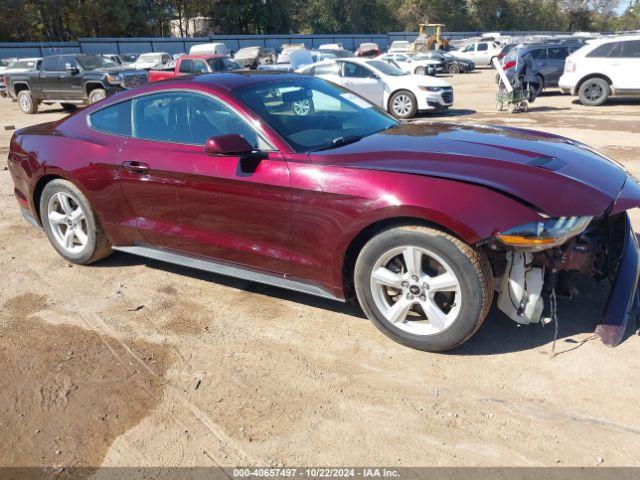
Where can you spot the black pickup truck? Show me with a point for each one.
(71, 80)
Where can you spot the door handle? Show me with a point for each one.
(136, 167)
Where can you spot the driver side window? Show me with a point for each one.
(188, 118)
(353, 70)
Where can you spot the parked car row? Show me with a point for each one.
(592, 69)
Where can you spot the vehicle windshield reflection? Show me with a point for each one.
(311, 114)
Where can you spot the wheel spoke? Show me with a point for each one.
(63, 201)
(77, 215)
(69, 236)
(442, 283)
(437, 318)
(413, 260)
(384, 276)
(399, 310)
(80, 235)
(57, 218)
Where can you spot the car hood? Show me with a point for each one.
(554, 175)
(412, 81)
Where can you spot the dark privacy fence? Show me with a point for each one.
(233, 42)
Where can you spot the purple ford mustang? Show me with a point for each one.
(298, 183)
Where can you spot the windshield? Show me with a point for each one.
(152, 57)
(92, 62)
(387, 68)
(223, 64)
(311, 114)
(248, 52)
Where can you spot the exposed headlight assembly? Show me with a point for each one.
(430, 89)
(114, 79)
(549, 233)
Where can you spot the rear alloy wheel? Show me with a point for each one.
(403, 104)
(96, 95)
(71, 225)
(27, 103)
(594, 92)
(422, 287)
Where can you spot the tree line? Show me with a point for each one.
(62, 20)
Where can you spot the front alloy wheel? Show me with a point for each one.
(422, 287)
(403, 104)
(416, 290)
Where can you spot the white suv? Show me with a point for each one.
(604, 67)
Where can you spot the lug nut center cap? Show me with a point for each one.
(415, 290)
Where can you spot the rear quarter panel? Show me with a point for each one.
(88, 161)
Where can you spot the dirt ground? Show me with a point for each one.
(132, 362)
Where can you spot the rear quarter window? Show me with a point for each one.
(115, 119)
(608, 50)
(631, 49)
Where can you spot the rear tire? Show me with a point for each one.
(96, 95)
(403, 104)
(71, 225)
(27, 103)
(593, 92)
(452, 280)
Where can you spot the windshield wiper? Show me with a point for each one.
(340, 142)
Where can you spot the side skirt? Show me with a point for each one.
(229, 270)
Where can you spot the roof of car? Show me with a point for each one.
(234, 80)
(201, 56)
(614, 38)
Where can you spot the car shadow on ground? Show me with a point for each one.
(614, 101)
(547, 109)
(498, 334)
(452, 112)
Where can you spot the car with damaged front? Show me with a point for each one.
(422, 223)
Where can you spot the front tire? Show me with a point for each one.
(454, 69)
(423, 288)
(593, 92)
(420, 71)
(71, 225)
(403, 104)
(96, 95)
(27, 103)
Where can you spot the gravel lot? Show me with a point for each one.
(132, 362)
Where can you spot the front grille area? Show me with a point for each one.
(134, 79)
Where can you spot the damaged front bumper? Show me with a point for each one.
(606, 249)
(622, 304)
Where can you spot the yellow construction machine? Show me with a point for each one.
(429, 38)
